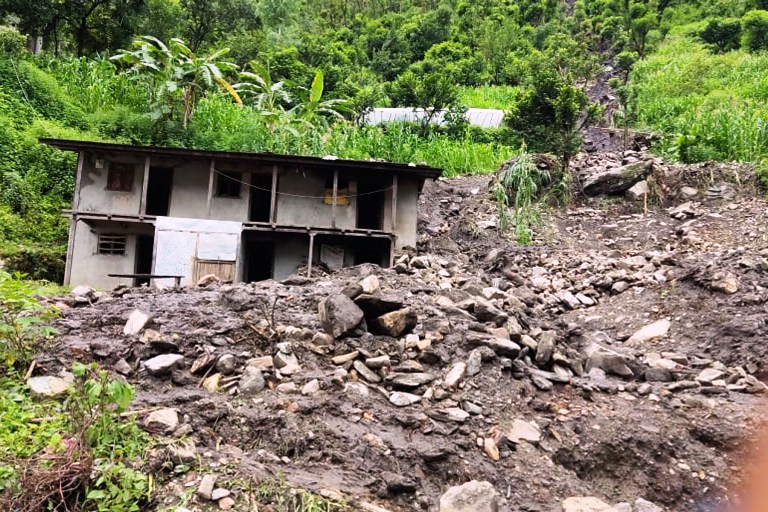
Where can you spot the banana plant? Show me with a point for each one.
(176, 76)
(314, 111)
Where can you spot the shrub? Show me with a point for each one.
(11, 41)
(40, 263)
(724, 35)
(755, 28)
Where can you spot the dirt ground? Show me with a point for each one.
(601, 268)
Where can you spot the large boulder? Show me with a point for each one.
(473, 496)
(339, 316)
(617, 181)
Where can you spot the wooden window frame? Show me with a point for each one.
(226, 181)
(112, 244)
(120, 177)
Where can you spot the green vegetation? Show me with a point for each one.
(55, 454)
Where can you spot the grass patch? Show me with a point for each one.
(501, 97)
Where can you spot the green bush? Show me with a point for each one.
(41, 263)
(755, 28)
(722, 34)
(11, 41)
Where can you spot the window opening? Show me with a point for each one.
(111, 244)
(342, 191)
(120, 177)
(228, 184)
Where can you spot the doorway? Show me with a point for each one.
(145, 245)
(259, 260)
(261, 198)
(370, 205)
(159, 186)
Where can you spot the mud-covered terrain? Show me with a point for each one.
(620, 357)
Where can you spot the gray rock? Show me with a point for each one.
(619, 287)
(136, 322)
(474, 362)
(375, 306)
(339, 316)
(642, 505)
(122, 367)
(401, 399)
(48, 386)
(657, 329)
(585, 504)
(545, 348)
(283, 360)
(610, 363)
(251, 381)
(486, 312)
(396, 323)
(82, 291)
(226, 364)
(523, 431)
(658, 375)
(219, 494)
(163, 364)
(311, 387)
(205, 489)
(708, 375)
(616, 181)
(370, 285)
(162, 421)
(472, 408)
(541, 383)
(638, 191)
(499, 345)
(568, 299)
(366, 372)
(410, 380)
(473, 496)
(454, 375)
(378, 362)
(450, 414)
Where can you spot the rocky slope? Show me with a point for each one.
(615, 365)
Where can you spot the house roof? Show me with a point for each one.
(423, 171)
(482, 117)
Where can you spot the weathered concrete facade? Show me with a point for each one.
(146, 211)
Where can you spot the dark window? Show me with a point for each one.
(112, 244)
(228, 184)
(120, 177)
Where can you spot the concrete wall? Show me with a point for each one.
(312, 210)
(91, 268)
(94, 196)
(290, 252)
(407, 203)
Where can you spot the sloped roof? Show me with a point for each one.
(482, 117)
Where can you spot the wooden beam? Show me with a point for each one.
(311, 252)
(273, 197)
(335, 196)
(144, 185)
(394, 202)
(211, 175)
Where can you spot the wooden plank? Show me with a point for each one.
(211, 175)
(273, 197)
(335, 197)
(144, 185)
(394, 203)
(311, 252)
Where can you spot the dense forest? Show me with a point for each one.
(293, 76)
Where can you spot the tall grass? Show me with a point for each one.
(491, 96)
(220, 125)
(711, 106)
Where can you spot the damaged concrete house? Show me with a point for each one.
(139, 213)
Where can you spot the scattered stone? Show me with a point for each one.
(474, 362)
(454, 375)
(345, 358)
(545, 348)
(122, 367)
(219, 494)
(619, 287)
(688, 192)
(401, 399)
(616, 181)
(205, 488)
(473, 496)
(48, 386)
(450, 414)
(585, 504)
(642, 505)
(311, 387)
(163, 364)
(262, 363)
(212, 383)
(226, 364)
(339, 316)
(657, 329)
(398, 484)
(251, 381)
(725, 283)
(136, 322)
(491, 449)
(378, 362)
(396, 323)
(162, 421)
(366, 372)
(208, 280)
(708, 375)
(658, 375)
(486, 312)
(523, 431)
(226, 503)
(285, 359)
(370, 285)
(638, 191)
(610, 363)
(410, 380)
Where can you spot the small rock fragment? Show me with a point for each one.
(136, 322)
(473, 496)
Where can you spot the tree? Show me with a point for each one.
(207, 20)
(424, 87)
(723, 35)
(755, 30)
(553, 111)
(86, 18)
(175, 74)
(36, 19)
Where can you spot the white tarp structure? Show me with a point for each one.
(482, 117)
(179, 242)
